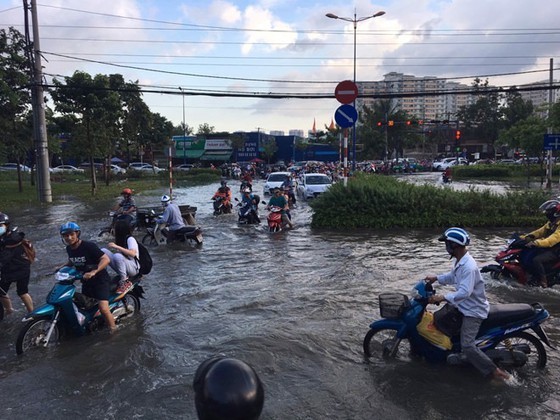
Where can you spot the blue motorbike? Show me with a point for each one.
(504, 336)
(69, 313)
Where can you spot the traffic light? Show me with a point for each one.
(420, 122)
(391, 123)
(380, 123)
(408, 122)
(458, 135)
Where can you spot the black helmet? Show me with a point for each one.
(4, 219)
(226, 388)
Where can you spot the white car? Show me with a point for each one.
(144, 167)
(311, 185)
(13, 167)
(67, 169)
(185, 167)
(275, 180)
(116, 170)
(448, 162)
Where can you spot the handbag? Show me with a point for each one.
(448, 320)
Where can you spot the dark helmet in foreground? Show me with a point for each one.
(227, 388)
(4, 219)
(551, 209)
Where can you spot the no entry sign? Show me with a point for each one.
(346, 92)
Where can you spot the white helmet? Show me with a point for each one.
(246, 190)
(165, 199)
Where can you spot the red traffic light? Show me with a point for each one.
(379, 123)
(458, 134)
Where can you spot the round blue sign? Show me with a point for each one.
(346, 116)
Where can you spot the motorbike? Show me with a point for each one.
(274, 219)
(221, 205)
(156, 234)
(114, 216)
(446, 179)
(511, 336)
(513, 259)
(248, 213)
(245, 184)
(69, 313)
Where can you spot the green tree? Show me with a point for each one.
(526, 134)
(205, 129)
(269, 147)
(483, 119)
(97, 107)
(515, 108)
(15, 97)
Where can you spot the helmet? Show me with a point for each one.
(165, 199)
(69, 227)
(246, 190)
(551, 209)
(126, 191)
(227, 388)
(456, 235)
(4, 219)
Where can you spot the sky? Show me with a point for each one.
(185, 51)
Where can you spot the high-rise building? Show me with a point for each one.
(424, 107)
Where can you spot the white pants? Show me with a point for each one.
(124, 267)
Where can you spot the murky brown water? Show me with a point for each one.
(294, 305)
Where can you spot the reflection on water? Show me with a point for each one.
(295, 305)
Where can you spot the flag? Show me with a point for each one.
(332, 127)
(314, 131)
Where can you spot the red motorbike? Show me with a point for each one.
(513, 260)
(275, 219)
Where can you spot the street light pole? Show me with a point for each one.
(354, 21)
(184, 127)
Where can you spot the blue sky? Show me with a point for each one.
(286, 47)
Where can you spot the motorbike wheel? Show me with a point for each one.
(105, 231)
(379, 342)
(132, 304)
(33, 333)
(1, 312)
(536, 357)
(149, 239)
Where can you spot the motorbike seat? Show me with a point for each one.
(505, 313)
(186, 230)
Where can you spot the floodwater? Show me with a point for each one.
(295, 305)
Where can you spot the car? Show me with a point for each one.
(117, 170)
(313, 184)
(67, 169)
(447, 162)
(144, 167)
(13, 167)
(185, 167)
(274, 180)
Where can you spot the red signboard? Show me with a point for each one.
(346, 92)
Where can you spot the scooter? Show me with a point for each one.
(513, 259)
(274, 219)
(446, 179)
(114, 216)
(157, 234)
(68, 312)
(248, 213)
(221, 206)
(511, 336)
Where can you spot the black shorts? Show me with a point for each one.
(22, 285)
(97, 288)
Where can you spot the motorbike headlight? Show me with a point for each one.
(61, 276)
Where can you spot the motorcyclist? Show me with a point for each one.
(225, 193)
(14, 266)
(280, 200)
(171, 216)
(545, 241)
(126, 208)
(469, 298)
(288, 187)
(88, 259)
(251, 199)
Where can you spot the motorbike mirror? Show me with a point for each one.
(236, 199)
(263, 202)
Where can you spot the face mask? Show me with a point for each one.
(2, 230)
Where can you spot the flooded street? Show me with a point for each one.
(294, 305)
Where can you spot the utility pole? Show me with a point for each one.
(549, 130)
(39, 120)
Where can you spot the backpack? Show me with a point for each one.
(144, 259)
(28, 249)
